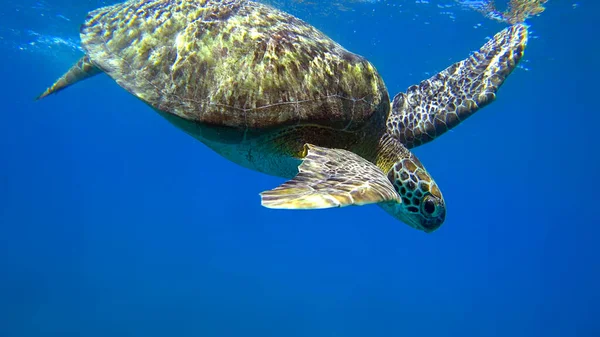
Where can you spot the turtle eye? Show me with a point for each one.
(429, 206)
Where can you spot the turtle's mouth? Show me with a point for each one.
(427, 225)
(413, 220)
(416, 224)
(431, 224)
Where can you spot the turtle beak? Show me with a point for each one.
(398, 212)
(419, 222)
(414, 220)
(415, 223)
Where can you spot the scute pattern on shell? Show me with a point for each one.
(234, 63)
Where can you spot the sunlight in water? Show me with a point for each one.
(517, 11)
(51, 42)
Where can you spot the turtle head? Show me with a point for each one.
(422, 205)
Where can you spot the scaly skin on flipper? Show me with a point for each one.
(232, 63)
(440, 103)
(82, 70)
(331, 178)
(338, 178)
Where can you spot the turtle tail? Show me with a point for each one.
(80, 71)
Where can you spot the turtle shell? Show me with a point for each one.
(232, 63)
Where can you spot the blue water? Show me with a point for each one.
(115, 223)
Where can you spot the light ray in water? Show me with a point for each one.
(518, 10)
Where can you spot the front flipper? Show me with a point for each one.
(331, 178)
(440, 103)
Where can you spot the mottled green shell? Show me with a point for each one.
(232, 63)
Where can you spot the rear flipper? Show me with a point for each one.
(82, 70)
(331, 178)
(440, 103)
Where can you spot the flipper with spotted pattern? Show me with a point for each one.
(440, 103)
(332, 178)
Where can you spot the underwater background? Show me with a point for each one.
(115, 223)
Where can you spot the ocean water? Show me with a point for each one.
(115, 223)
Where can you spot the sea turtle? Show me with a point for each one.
(270, 92)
